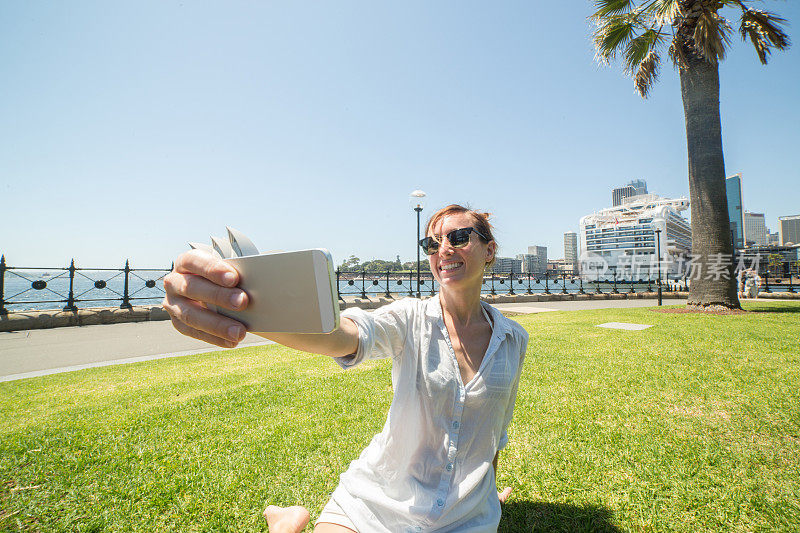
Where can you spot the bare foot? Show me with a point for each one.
(503, 496)
(286, 519)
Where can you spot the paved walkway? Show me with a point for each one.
(38, 352)
(32, 353)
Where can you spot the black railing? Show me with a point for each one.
(362, 283)
(72, 285)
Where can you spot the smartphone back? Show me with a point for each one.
(289, 292)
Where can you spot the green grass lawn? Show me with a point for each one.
(691, 425)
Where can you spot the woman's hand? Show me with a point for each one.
(200, 278)
(503, 496)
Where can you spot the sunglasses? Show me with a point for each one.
(458, 238)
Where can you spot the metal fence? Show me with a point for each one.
(35, 287)
(25, 288)
(364, 283)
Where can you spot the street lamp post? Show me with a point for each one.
(418, 201)
(658, 249)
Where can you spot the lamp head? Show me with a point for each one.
(417, 199)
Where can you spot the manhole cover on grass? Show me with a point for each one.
(624, 325)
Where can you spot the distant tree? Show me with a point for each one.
(697, 36)
(412, 265)
(379, 265)
(775, 264)
(353, 263)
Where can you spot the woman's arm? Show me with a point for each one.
(199, 278)
(338, 343)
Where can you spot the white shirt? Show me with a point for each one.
(430, 468)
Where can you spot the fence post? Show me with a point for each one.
(71, 298)
(766, 282)
(338, 279)
(546, 286)
(511, 281)
(126, 304)
(580, 279)
(493, 293)
(3, 310)
(791, 287)
(364, 284)
(563, 282)
(387, 284)
(615, 282)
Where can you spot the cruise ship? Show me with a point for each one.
(621, 242)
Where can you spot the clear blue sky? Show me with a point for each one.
(129, 129)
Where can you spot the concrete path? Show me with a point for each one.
(33, 353)
(49, 351)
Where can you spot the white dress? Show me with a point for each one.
(430, 468)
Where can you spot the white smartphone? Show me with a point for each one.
(289, 292)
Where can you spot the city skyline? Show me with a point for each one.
(134, 130)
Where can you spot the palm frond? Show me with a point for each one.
(639, 47)
(612, 33)
(711, 35)
(603, 8)
(647, 74)
(664, 12)
(762, 27)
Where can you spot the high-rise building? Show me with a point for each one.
(527, 263)
(733, 190)
(633, 188)
(621, 241)
(773, 239)
(535, 261)
(571, 250)
(639, 186)
(507, 264)
(620, 193)
(789, 229)
(755, 229)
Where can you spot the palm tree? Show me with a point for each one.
(696, 35)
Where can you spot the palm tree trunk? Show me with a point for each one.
(713, 281)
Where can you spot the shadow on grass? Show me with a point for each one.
(776, 309)
(527, 516)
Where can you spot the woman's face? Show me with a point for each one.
(459, 268)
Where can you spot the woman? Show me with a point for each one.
(456, 364)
